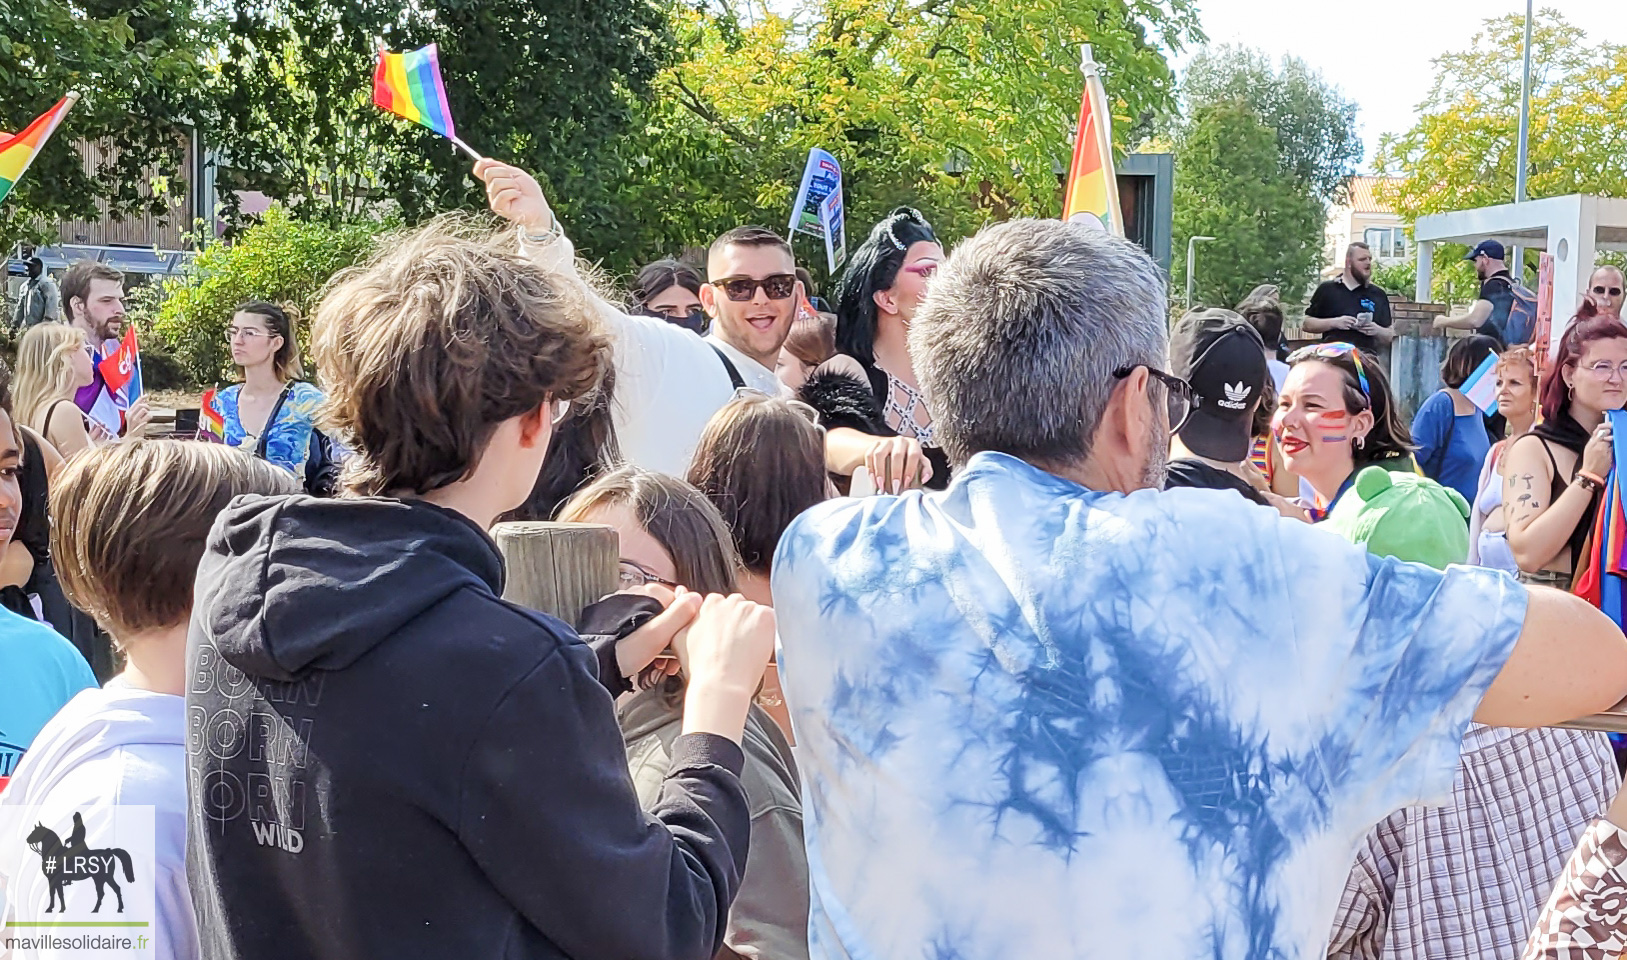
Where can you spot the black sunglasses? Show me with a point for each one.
(1612, 291)
(780, 286)
(1178, 396)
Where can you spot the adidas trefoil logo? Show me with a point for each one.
(1236, 396)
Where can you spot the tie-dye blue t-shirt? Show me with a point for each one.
(1037, 721)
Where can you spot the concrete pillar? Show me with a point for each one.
(1426, 272)
(1572, 243)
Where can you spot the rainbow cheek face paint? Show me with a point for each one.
(1333, 424)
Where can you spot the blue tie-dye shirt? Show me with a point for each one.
(1038, 721)
(288, 440)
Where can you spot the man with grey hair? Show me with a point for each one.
(1053, 712)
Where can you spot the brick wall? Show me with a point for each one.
(1411, 316)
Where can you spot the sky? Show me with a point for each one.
(1382, 59)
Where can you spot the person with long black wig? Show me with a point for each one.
(876, 299)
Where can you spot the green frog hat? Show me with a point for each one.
(1405, 516)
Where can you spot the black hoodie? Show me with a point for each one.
(388, 760)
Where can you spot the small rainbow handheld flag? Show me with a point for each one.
(18, 150)
(409, 85)
(210, 420)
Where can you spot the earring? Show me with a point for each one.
(1360, 442)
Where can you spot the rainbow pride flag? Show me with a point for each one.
(409, 85)
(1093, 188)
(18, 150)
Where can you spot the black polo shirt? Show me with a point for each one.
(1333, 299)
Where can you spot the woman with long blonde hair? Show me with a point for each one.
(53, 363)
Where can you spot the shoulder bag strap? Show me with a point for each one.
(271, 418)
(734, 372)
(1437, 460)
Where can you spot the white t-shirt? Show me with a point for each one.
(1034, 720)
(110, 746)
(669, 382)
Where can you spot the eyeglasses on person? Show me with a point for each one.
(1602, 290)
(1605, 370)
(631, 574)
(1328, 351)
(1179, 399)
(779, 286)
(248, 334)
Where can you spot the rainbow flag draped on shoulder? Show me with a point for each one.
(18, 150)
(1603, 578)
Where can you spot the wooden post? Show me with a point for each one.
(557, 568)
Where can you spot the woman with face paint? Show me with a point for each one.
(1554, 475)
(1335, 416)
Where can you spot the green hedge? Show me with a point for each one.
(283, 260)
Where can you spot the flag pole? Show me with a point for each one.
(466, 149)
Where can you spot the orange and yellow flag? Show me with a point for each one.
(1092, 183)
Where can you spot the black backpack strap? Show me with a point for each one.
(271, 418)
(734, 373)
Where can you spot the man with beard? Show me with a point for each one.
(93, 301)
(1052, 711)
(1350, 309)
(1488, 314)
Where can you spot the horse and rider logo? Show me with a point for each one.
(65, 863)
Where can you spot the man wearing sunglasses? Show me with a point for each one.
(752, 298)
(1606, 291)
(1052, 711)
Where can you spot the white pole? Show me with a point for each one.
(1525, 111)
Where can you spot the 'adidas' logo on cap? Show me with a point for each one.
(1236, 396)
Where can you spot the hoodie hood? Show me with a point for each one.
(290, 584)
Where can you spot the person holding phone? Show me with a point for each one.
(1349, 308)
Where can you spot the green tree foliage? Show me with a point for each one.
(1317, 144)
(1229, 185)
(964, 108)
(280, 259)
(141, 69)
(1462, 152)
(1259, 151)
(534, 82)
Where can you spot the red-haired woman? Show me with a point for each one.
(1554, 475)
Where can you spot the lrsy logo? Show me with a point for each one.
(65, 863)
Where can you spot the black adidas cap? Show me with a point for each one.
(1220, 354)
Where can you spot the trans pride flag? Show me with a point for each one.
(18, 150)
